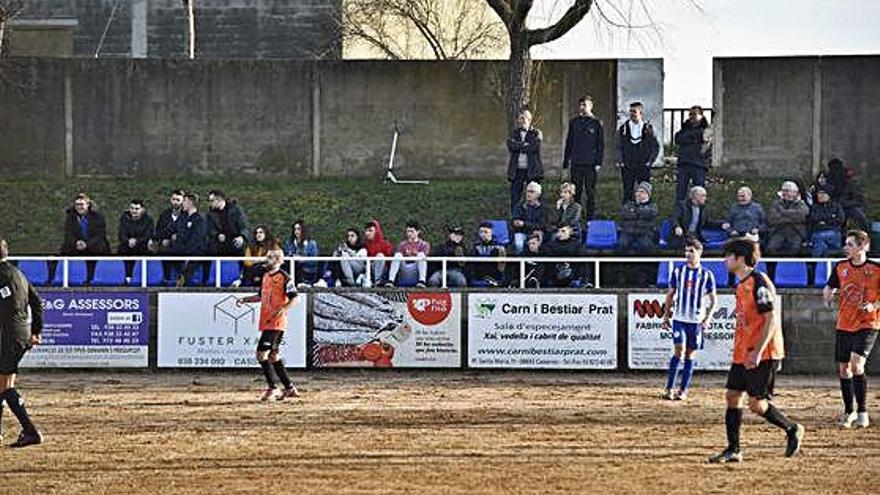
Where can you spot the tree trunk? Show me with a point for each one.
(191, 32)
(2, 33)
(519, 72)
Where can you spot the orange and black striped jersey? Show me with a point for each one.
(755, 302)
(275, 291)
(857, 285)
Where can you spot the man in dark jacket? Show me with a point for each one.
(637, 149)
(690, 218)
(529, 216)
(787, 222)
(638, 222)
(690, 141)
(452, 248)
(16, 337)
(524, 166)
(166, 230)
(190, 238)
(826, 224)
(136, 229)
(565, 274)
(85, 234)
(487, 246)
(846, 192)
(584, 151)
(227, 226)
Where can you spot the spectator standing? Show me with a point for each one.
(524, 166)
(166, 230)
(638, 222)
(826, 224)
(253, 270)
(637, 149)
(191, 239)
(689, 218)
(529, 216)
(136, 229)
(691, 141)
(85, 234)
(487, 246)
(847, 193)
(352, 263)
(568, 210)
(746, 217)
(584, 152)
(413, 246)
(301, 245)
(227, 226)
(452, 248)
(377, 247)
(787, 221)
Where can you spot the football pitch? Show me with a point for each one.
(421, 432)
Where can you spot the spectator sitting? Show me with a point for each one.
(487, 246)
(568, 211)
(529, 216)
(253, 270)
(377, 247)
(166, 228)
(411, 247)
(638, 222)
(352, 268)
(820, 182)
(452, 248)
(691, 160)
(787, 222)
(136, 229)
(826, 224)
(301, 245)
(190, 239)
(847, 193)
(564, 274)
(227, 226)
(690, 218)
(746, 217)
(535, 270)
(524, 144)
(85, 234)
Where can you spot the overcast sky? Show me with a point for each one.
(689, 37)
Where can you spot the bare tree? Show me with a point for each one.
(8, 10)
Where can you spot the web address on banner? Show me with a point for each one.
(543, 352)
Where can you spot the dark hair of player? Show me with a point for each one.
(746, 249)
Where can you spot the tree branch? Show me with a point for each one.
(502, 8)
(572, 16)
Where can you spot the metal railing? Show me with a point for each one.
(674, 117)
(64, 263)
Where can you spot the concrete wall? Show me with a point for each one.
(160, 117)
(301, 29)
(789, 115)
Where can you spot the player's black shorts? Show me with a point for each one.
(270, 340)
(12, 349)
(757, 382)
(860, 342)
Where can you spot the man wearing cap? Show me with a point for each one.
(638, 221)
(452, 248)
(826, 224)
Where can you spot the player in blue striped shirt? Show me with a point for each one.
(691, 298)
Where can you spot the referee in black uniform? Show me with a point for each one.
(16, 295)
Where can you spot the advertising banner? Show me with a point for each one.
(208, 330)
(550, 331)
(92, 330)
(387, 329)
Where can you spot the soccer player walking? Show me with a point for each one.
(757, 349)
(690, 303)
(16, 296)
(277, 294)
(857, 281)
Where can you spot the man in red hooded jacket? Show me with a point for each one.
(377, 247)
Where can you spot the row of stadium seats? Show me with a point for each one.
(788, 274)
(111, 273)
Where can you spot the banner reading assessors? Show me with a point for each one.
(208, 330)
(552, 331)
(92, 330)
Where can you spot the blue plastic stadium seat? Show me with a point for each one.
(665, 230)
(501, 230)
(715, 238)
(791, 274)
(36, 271)
(109, 273)
(663, 273)
(601, 234)
(76, 273)
(719, 270)
(154, 274)
(820, 278)
(229, 272)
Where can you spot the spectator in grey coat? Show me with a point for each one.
(746, 217)
(568, 210)
(787, 222)
(638, 222)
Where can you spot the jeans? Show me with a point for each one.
(378, 268)
(584, 179)
(781, 244)
(411, 272)
(824, 241)
(639, 243)
(351, 268)
(689, 175)
(632, 175)
(517, 186)
(454, 278)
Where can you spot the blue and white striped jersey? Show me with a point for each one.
(691, 285)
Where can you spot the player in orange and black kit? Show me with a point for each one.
(857, 281)
(757, 350)
(277, 294)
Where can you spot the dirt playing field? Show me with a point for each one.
(139, 433)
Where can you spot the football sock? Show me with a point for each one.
(733, 420)
(281, 371)
(673, 370)
(686, 374)
(16, 405)
(846, 391)
(860, 390)
(267, 372)
(775, 417)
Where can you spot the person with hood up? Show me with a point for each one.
(847, 192)
(377, 247)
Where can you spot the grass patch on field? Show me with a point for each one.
(34, 213)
